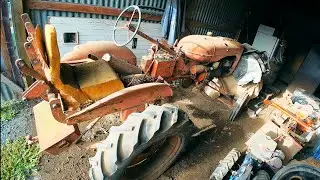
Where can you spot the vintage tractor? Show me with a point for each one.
(99, 78)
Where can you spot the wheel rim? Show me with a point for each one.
(153, 157)
(296, 178)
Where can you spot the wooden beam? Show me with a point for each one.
(20, 35)
(8, 39)
(5, 53)
(84, 8)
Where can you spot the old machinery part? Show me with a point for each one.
(26, 70)
(225, 165)
(202, 48)
(245, 170)
(121, 100)
(296, 171)
(120, 66)
(34, 46)
(37, 89)
(73, 97)
(153, 41)
(127, 25)
(240, 103)
(98, 49)
(304, 125)
(53, 135)
(144, 146)
(197, 69)
(132, 80)
(211, 92)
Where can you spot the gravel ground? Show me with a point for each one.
(22, 125)
(73, 163)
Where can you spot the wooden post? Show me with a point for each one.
(5, 53)
(85, 8)
(5, 25)
(20, 35)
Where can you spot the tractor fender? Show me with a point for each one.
(121, 100)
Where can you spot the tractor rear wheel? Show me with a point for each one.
(144, 146)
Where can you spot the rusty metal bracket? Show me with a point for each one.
(56, 107)
(36, 57)
(37, 89)
(22, 66)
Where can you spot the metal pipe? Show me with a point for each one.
(120, 66)
(162, 46)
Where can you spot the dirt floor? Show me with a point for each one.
(198, 162)
(202, 156)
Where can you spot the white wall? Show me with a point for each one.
(101, 29)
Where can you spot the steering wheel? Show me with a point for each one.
(127, 25)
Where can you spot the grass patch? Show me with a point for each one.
(10, 109)
(18, 159)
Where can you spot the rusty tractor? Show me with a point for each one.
(102, 77)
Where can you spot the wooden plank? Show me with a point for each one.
(11, 84)
(5, 53)
(5, 24)
(84, 8)
(20, 35)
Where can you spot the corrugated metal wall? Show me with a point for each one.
(6, 92)
(221, 13)
(40, 16)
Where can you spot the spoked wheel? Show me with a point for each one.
(125, 27)
(144, 146)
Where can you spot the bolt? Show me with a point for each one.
(21, 63)
(55, 105)
(35, 61)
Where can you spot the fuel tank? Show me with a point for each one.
(99, 48)
(203, 48)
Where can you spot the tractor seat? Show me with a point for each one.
(82, 83)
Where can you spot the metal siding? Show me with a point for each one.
(7, 93)
(215, 12)
(40, 16)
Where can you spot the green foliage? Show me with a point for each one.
(18, 159)
(10, 109)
